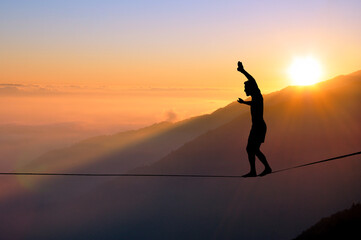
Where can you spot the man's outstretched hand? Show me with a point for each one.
(240, 100)
(240, 67)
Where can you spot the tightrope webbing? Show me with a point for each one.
(165, 175)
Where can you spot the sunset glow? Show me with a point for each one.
(120, 119)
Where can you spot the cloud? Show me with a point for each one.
(167, 89)
(11, 85)
(9, 90)
(39, 90)
(171, 116)
(19, 89)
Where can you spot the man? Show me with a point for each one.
(259, 128)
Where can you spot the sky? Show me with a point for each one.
(184, 45)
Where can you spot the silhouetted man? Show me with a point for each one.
(259, 128)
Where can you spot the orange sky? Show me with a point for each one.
(167, 44)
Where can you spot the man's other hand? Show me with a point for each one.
(240, 100)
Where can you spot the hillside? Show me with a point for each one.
(124, 151)
(115, 153)
(304, 124)
(341, 225)
(20, 144)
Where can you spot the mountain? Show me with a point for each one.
(120, 152)
(341, 225)
(115, 153)
(305, 124)
(20, 144)
(123, 151)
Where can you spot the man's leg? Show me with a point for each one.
(252, 161)
(263, 159)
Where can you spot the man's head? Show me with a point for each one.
(250, 88)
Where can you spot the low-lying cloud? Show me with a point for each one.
(171, 116)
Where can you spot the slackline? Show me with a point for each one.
(166, 175)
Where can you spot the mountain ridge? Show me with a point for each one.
(307, 117)
(157, 139)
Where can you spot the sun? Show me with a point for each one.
(305, 71)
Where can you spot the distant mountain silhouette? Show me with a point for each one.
(22, 143)
(124, 151)
(304, 124)
(341, 225)
(120, 152)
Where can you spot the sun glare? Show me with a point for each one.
(305, 71)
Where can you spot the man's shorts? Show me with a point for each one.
(257, 134)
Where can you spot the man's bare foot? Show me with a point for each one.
(265, 172)
(250, 174)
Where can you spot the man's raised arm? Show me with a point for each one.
(241, 69)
